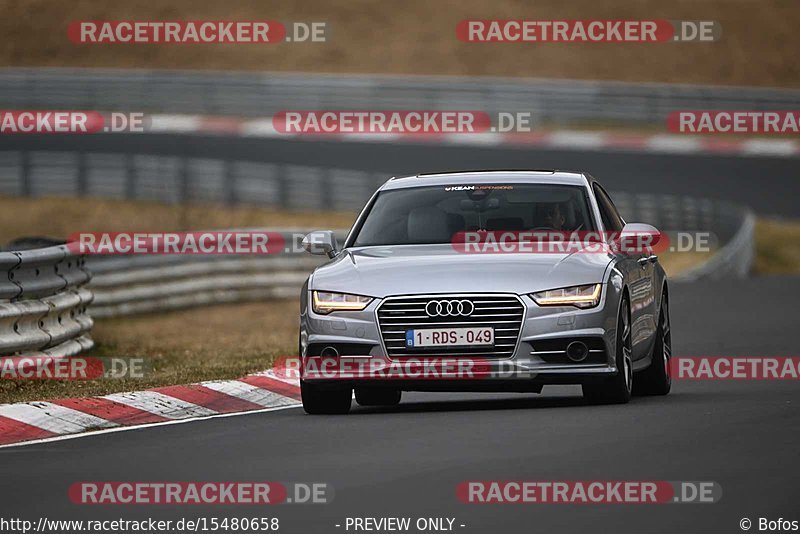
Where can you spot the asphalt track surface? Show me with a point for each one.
(406, 461)
(769, 185)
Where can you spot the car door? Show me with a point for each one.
(639, 270)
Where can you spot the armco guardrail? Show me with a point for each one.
(43, 304)
(265, 93)
(734, 260)
(125, 285)
(732, 227)
(139, 284)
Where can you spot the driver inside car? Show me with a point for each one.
(553, 218)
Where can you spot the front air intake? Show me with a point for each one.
(502, 312)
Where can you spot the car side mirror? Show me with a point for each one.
(636, 238)
(320, 242)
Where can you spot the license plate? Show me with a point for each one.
(450, 337)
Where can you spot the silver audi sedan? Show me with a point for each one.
(484, 281)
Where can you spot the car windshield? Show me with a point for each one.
(432, 215)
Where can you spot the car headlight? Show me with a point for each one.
(324, 302)
(580, 296)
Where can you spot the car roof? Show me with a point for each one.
(488, 177)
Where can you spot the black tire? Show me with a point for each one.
(656, 379)
(616, 389)
(325, 399)
(366, 396)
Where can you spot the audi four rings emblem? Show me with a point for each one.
(449, 308)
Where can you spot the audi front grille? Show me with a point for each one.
(502, 312)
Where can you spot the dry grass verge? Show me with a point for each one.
(675, 263)
(216, 342)
(60, 217)
(777, 247)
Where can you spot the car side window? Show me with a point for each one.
(614, 211)
(608, 212)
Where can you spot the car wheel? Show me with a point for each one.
(325, 399)
(656, 379)
(378, 396)
(617, 389)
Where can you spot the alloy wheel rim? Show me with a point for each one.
(627, 347)
(666, 339)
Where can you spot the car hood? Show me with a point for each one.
(424, 269)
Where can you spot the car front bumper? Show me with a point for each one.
(538, 357)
